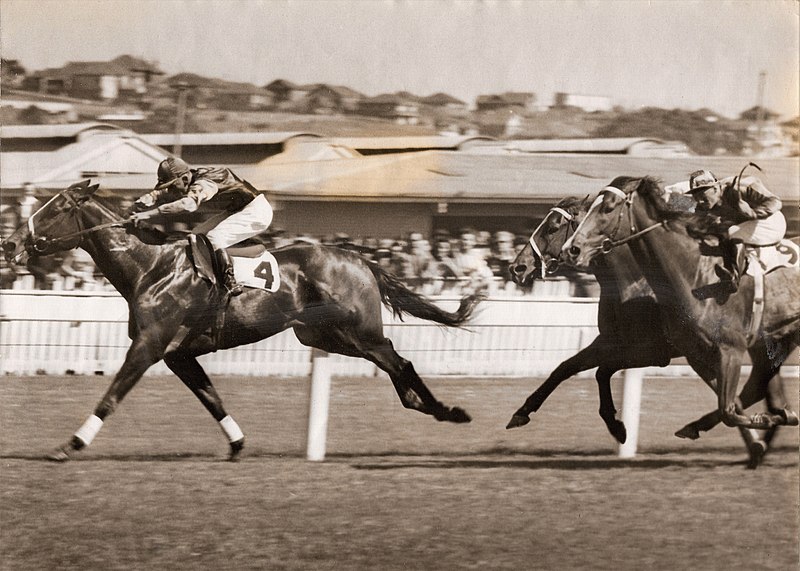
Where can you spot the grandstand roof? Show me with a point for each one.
(420, 143)
(99, 155)
(66, 130)
(463, 177)
(170, 139)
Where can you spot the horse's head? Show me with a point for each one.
(54, 227)
(541, 255)
(611, 219)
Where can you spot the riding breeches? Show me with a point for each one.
(249, 221)
(764, 232)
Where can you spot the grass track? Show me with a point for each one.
(398, 491)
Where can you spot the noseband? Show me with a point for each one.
(610, 243)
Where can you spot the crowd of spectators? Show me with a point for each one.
(463, 262)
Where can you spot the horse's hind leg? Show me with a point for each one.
(189, 371)
(413, 392)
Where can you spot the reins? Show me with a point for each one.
(39, 244)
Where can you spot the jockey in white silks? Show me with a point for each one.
(751, 213)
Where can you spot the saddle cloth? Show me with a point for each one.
(253, 266)
(764, 259)
(256, 267)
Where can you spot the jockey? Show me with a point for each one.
(750, 213)
(239, 212)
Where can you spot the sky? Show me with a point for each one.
(666, 53)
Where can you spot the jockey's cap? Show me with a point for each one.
(701, 180)
(170, 170)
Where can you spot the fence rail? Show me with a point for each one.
(59, 332)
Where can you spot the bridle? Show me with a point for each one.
(610, 243)
(41, 243)
(551, 266)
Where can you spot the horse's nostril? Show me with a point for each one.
(9, 247)
(520, 269)
(574, 251)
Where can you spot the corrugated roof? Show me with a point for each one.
(169, 139)
(98, 154)
(604, 145)
(442, 175)
(66, 130)
(422, 143)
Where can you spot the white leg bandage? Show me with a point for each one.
(231, 429)
(89, 430)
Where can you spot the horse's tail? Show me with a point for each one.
(396, 295)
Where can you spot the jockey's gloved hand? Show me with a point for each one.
(139, 217)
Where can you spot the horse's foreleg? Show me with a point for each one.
(143, 352)
(585, 359)
(189, 371)
(730, 364)
(608, 411)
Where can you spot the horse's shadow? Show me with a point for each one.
(480, 459)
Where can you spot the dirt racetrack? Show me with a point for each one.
(398, 490)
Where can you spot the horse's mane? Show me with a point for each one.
(108, 205)
(651, 190)
(571, 202)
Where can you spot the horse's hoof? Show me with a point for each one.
(763, 421)
(518, 420)
(60, 454)
(236, 449)
(618, 431)
(455, 414)
(757, 450)
(688, 431)
(789, 417)
(459, 415)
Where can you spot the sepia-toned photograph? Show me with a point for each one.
(400, 285)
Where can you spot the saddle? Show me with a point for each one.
(254, 266)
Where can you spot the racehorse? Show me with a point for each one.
(330, 297)
(630, 321)
(713, 333)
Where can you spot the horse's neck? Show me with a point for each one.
(622, 274)
(120, 257)
(668, 259)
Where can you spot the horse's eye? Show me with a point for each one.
(606, 208)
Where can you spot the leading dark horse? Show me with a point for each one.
(330, 297)
(630, 322)
(713, 335)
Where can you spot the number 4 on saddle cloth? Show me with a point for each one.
(253, 266)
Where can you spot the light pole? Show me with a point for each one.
(180, 120)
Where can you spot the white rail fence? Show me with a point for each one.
(86, 333)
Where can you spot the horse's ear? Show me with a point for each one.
(92, 189)
(585, 200)
(82, 185)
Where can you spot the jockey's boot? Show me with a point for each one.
(729, 271)
(226, 270)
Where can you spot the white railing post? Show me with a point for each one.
(631, 405)
(319, 403)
